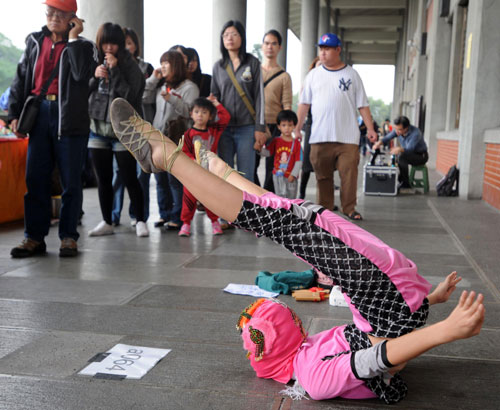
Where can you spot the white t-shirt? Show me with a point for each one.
(334, 96)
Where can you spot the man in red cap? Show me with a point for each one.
(56, 67)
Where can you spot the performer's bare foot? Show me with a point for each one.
(444, 290)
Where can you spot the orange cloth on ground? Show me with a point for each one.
(12, 178)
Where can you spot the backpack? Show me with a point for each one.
(448, 185)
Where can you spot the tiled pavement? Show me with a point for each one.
(165, 291)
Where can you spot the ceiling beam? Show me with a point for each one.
(371, 35)
(368, 4)
(372, 48)
(370, 21)
(371, 58)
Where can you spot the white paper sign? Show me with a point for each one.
(337, 297)
(130, 362)
(251, 290)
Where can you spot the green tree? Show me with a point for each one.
(9, 57)
(380, 110)
(257, 51)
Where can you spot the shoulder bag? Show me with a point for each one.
(32, 106)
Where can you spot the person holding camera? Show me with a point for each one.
(54, 71)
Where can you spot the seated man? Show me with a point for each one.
(413, 149)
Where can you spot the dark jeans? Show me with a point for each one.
(45, 149)
(119, 191)
(169, 194)
(239, 141)
(409, 158)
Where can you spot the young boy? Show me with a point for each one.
(207, 132)
(287, 154)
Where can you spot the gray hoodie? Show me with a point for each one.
(249, 77)
(177, 106)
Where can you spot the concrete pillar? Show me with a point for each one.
(223, 11)
(126, 13)
(276, 17)
(436, 90)
(400, 72)
(324, 20)
(308, 33)
(455, 68)
(480, 93)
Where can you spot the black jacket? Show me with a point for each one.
(126, 80)
(77, 65)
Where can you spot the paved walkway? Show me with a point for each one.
(165, 291)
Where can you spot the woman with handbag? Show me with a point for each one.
(53, 74)
(117, 76)
(237, 84)
(173, 93)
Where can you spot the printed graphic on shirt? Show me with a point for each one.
(282, 157)
(344, 85)
(246, 75)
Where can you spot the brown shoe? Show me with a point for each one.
(68, 248)
(28, 247)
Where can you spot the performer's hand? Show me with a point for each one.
(466, 319)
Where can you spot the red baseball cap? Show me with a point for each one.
(64, 5)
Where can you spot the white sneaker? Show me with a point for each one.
(141, 229)
(133, 222)
(102, 229)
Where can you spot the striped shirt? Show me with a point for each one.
(335, 97)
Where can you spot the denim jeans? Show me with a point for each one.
(119, 191)
(163, 195)
(176, 190)
(239, 141)
(45, 149)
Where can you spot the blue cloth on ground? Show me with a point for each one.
(286, 281)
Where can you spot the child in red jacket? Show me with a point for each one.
(208, 132)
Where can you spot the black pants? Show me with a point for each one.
(102, 160)
(409, 158)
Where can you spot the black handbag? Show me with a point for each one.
(32, 106)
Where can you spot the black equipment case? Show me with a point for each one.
(380, 180)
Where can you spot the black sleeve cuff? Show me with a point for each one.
(384, 354)
(353, 366)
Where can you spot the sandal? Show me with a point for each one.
(203, 157)
(355, 216)
(135, 133)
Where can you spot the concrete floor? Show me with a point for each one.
(165, 291)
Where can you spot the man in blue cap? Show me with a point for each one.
(334, 92)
